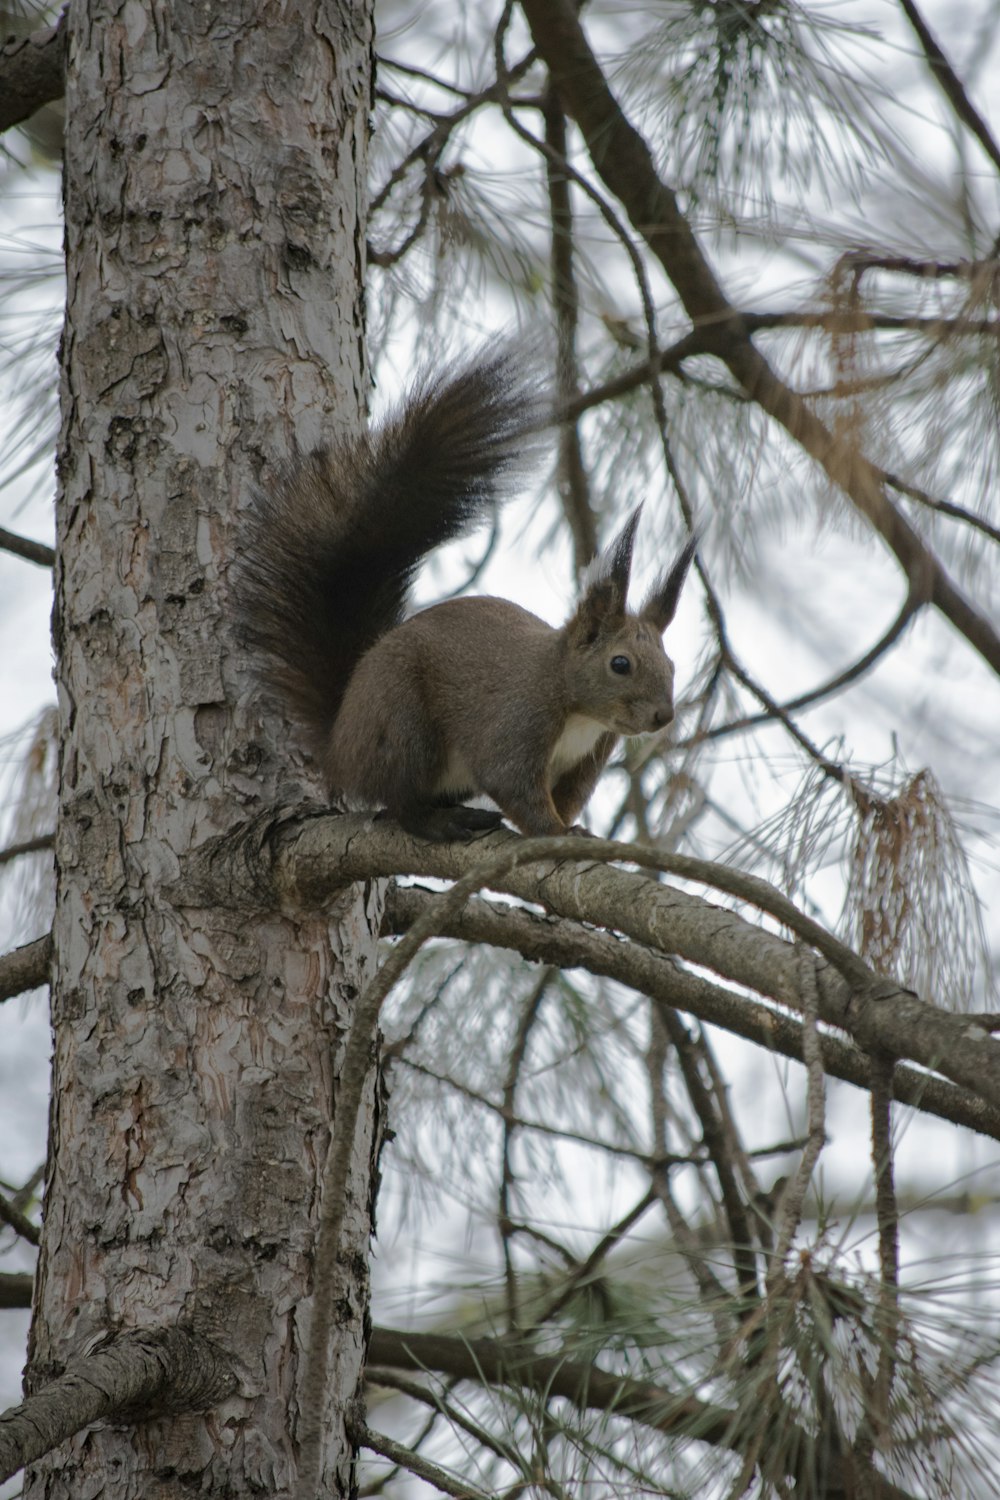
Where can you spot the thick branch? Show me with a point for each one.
(139, 1374)
(25, 968)
(31, 74)
(549, 940)
(624, 163)
(515, 1363)
(303, 861)
(16, 1288)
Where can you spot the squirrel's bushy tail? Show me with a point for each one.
(329, 554)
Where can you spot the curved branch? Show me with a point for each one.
(31, 73)
(300, 861)
(138, 1374)
(550, 940)
(25, 968)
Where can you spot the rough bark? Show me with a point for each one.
(215, 171)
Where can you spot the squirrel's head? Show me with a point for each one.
(617, 671)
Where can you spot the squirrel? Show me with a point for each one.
(473, 695)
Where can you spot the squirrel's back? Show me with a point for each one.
(330, 551)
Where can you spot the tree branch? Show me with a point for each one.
(951, 85)
(138, 1374)
(23, 546)
(488, 1362)
(31, 74)
(546, 939)
(415, 1463)
(826, 689)
(25, 968)
(16, 1288)
(17, 1221)
(29, 846)
(301, 861)
(623, 161)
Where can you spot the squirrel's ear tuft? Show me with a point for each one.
(660, 604)
(605, 582)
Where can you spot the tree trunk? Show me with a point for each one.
(215, 200)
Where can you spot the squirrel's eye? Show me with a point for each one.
(621, 665)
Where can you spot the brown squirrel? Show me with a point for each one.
(475, 695)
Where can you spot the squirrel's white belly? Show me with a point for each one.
(577, 740)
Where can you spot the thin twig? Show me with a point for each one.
(720, 1150)
(793, 1198)
(529, 1016)
(586, 1268)
(951, 85)
(887, 1216)
(911, 605)
(23, 546)
(415, 1463)
(29, 846)
(16, 1220)
(393, 1380)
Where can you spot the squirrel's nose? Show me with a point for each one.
(663, 715)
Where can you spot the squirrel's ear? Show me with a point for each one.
(605, 582)
(660, 604)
